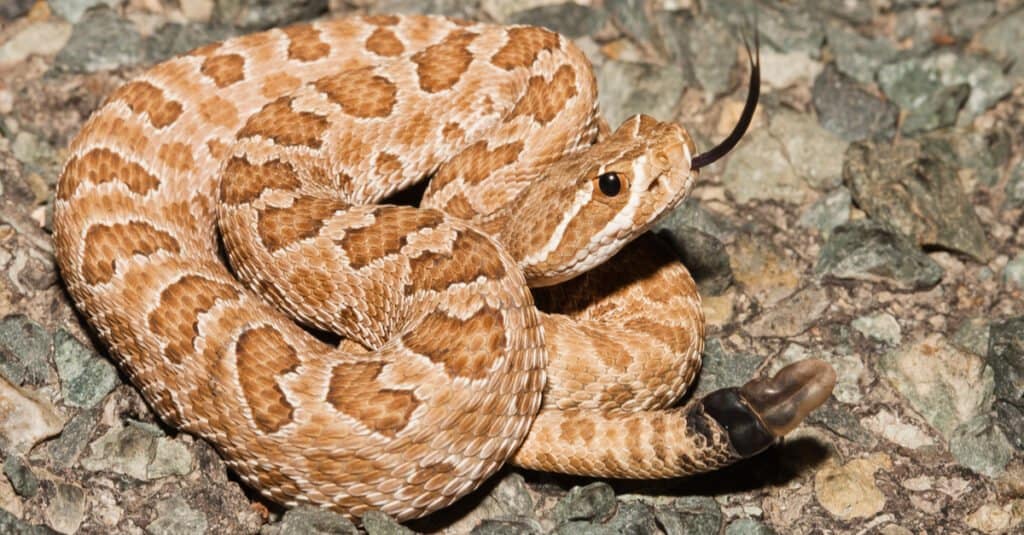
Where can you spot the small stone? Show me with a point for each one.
(633, 517)
(85, 377)
(309, 520)
(895, 430)
(41, 38)
(21, 477)
(815, 153)
(24, 350)
(140, 452)
(882, 327)
(64, 450)
(26, 418)
(944, 384)
(722, 369)
(1011, 420)
(67, 508)
(758, 170)
(508, 499)
(1013, 273)
(174, 516)
(262, 14)
(866, 251)
(72, 10)
(767, 273)
(172, 39)
(785, 69)
(850, 111)
(997, 518)
(938, 110)
(828, 212)
(748, 526)
(197, 10)
(15, 526)
(578, 527)
(1003, 37)
(101, 41)
(1015, 186)
(570, 19)
(690, 515)
(378, 523)
(627, 89)
(912, 188)
(508, 526)
(595, 501)
(1006, 357)
(966, 18)
(631, 17)
(981, 446)
(972, 336)
(858, 56)
(793, 315)
(849, 491)
(712, 52)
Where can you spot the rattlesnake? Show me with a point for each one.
(287, 140)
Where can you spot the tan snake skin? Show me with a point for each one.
(287, 140)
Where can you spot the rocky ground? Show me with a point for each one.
(872, 217)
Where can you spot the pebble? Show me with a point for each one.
(171, 39)
(882, 327)
(174, 516)
(1011, 421)
(1013, 273)
(570, 19)
(849, 110)
(309, 520)
(690, 515)
(768, 274)
(72, 10)
(1015, 186)
(633, 517)
(101, 41)
(595, 501)
(26, 418)
(508, 499)
(894, 429)
(858, 56)
(19, 473)
(793, 315)
(138, 451)
(39, 38)
(966, 18)
(24, 351)
(1006, 357)
(1002, 38)
(247, 15)
(85, 376)
(849, 491)
(66, 510)
(758, 170)
(981, 446)
(815, 153)
(631, 17)
(866, 251)
(748, 526)
(721, 368)
(378, 523)
(712, 53)
(996, 517)
(828, 212)
(785, 69)
(704, 255)
(946, 385)
(627, 89)
(912, 188)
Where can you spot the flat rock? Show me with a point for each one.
(1006, 357)
(66, 510)
(40, 38)
(24, 350)
(849, 110)
(849, 491)
(263, 14)
(979, 444)
(721, 368)
(792, 315)
(627, 89)
(915, 191)
(896, 430)
(309, 520)
(138, 451)
(867, 251)
(815, 153)
(85, 377)
(997, 517)
(748, 526)
(72, 10)
(570, 19)
(101, 41)
(174, 516)
(1003, 37)
(946, 385)
(882, 327)
(767, 273)
(828, 212)
(595, 501)
(690, 515)
(26, 418)
(858, 56)
(758, 170)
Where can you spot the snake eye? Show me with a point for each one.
(609, 183)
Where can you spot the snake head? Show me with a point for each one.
(587, 206)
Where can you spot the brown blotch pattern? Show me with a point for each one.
(543, 100)
(279, 227)
(279, 83)
(472, 256)
(176, 318)
(243, 182)
(105, 244)
(224, 70)
(99, 166)
(177, 156)
(459, 206)
(440, 66)
(523, 46)
(305, 44)
(263, 355)
(388, 164)
(452, 131)
(144, 97)
(384, 42)
(387, 235)
(467, 348)
(477, 162)
(219, 111)
(354, 391)
(278, 121)
(360, 92)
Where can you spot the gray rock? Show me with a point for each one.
(631, 88)
(631, 17)
(850, 111)
(793, 315)
(72, 10)
(1006, 357)
(508, 526)
(37, 155)
(571, 19)
(452, 8)
(858, 56)
(981, 446)
(758, 170)
(101, 41)
(866, 251)
(65, 449)
(378, 523)
(578, 527)
(786, 27)
(633, 518)
(19, 473)
(309, 520)
(828, 212)
(139, 451)
(174, 516)
(721, 369)
(11, 525)
(1010, 418)
(972, 335)
(882, 327)
(1015, 186)
(24, 350)
(1013, 273)
(690, 515)
(966, 18)
(982, 153)
(26, 418)
(595, 501)
(815, 153)
(913, 189)
(263, 14)
(1003, 39)
(712, 53)
(937, 110)
(748, 526)
(66, 510)
(915, 29)
(172, 39)
(85, 377)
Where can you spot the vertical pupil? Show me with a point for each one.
(609, 184)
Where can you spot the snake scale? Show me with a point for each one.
(225, 204)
